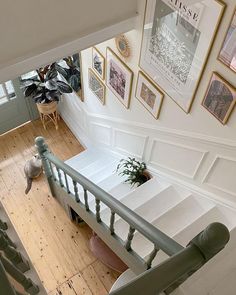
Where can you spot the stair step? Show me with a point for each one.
(97, 165)
(138, 196)
(171, 222)
(118, 192)
(84, 159)
(185, 235)
(107, 170)
(151, 209)
(111, 181)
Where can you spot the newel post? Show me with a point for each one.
(42, 148)
(211, 240)
(208, 243)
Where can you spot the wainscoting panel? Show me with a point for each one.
(203, 163)
(130, 143)
(181, 159)
(221, 175)
(101, 133)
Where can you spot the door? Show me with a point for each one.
(15, 109)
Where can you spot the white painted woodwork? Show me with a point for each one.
(36, 33)
(177, 211)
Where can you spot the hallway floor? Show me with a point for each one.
(57, 247)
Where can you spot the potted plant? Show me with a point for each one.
(46, 89)
(135, 171)
(71, 71)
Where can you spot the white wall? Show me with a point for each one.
(193, 148)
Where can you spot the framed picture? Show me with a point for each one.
(96, 86)
(98, 62)
(149, 95)
(119, 78)
(176, 42)
(220, 98)
(228, 51)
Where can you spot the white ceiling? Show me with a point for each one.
(31, 28)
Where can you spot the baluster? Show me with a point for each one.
(76, 191)
(129, 238)
(59, 177)
(152, 255)
(98, 217)
(29, 286)
(5, 285)
(66, 181)
(112, 221)
(86, 200)
(4, 234)
(3, 225)
(13, 255)
(52, 171)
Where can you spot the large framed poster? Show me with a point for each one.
(177, 37)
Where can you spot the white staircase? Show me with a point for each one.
(172, 209)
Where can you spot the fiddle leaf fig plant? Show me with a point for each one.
(46, 87)
(134, 171)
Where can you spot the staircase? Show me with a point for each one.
(138, 223)
(174, 210)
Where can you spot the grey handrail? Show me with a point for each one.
(157, 237)
(174, 271)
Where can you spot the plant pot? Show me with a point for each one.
(47, 108)
(146, 176)
(48, 113)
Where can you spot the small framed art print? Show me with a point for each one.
(220, 98)
(149, 95)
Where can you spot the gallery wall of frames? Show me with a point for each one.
(165, 93)
(174, 51)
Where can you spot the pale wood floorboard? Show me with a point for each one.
(57, 247)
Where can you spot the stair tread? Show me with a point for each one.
(105, 172)
(83, 159)
(170, 223)
(189, 232)
(117, 192)
(159, 204)
(138, 196)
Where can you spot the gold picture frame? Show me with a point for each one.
(149, 95)
(224, 56)
(80, 93)
(119, 77)
(97, 86)
(220, 98)
(166, 71)
(98, 62)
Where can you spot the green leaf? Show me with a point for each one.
(63, 87)
(75, 82)
(30, 90)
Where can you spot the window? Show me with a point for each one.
(7, 92)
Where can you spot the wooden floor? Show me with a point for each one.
(57, 247)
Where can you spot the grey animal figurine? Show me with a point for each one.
(32, 169)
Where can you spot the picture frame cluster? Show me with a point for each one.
(174, 52)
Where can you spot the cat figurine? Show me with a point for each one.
(32, 169)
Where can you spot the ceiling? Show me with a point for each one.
(33, 32)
